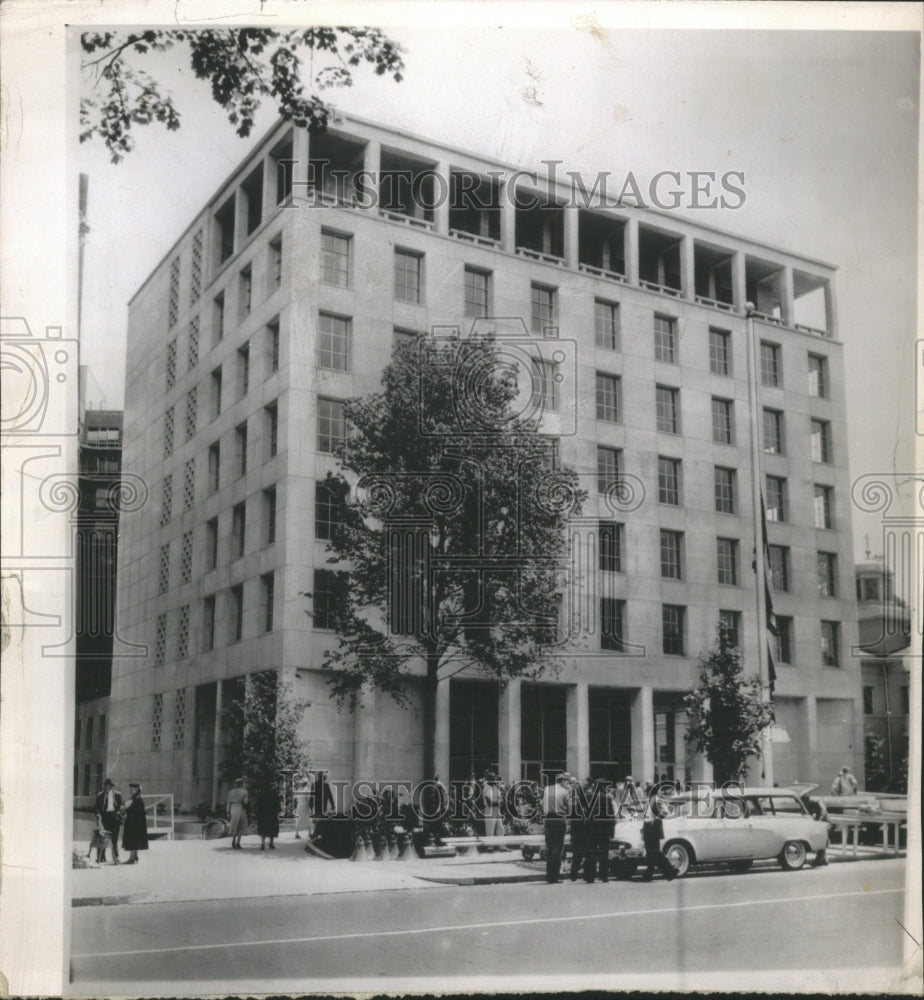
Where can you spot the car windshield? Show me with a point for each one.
(775, 805)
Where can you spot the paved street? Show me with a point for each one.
(842, 919)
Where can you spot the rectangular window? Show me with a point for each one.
(89, 732)
(610, 535)
(551, 455)
(189, 484)
(867, 700)
(727, 561)
(773, 432)
(726, 500)
(334, 342)
(237, 612)
(211, 543)
(335, 259)
(195, 280)
(219, 316)
(174, 298)
(776, 498)
(668, 409)
(606, 324)
(779, 567)
(672, 627)
(86, 779)
(323, 598)
(168, 432)
(903, 699)
(669, 481)
(671, 555)
(240, 443)
(827, 574)
(830, 644)
(238, 529)
(267, 583)
(719, 352)
(665, 330)
(243, 371)
(403, 338)
(272, 428)
(269, 515)
(332, 430)
(477, 292)
(171, 364)
(98, 773)
(166, 500)
(252, 192)
(609, 461)
(157, 721)
(192, 346)
(546, 395)
(608, 397)
(722, 421)
(770, 364)
(245, 292)
(275, 263)
(821, 441)
(186, 557)
(163, 576)
(216, 392)
(208, 624)
(101, 738)
(272, 332)
(182, 634)
(818, 376)
(327, 512)
(214, 466)
(783, 637)
(612, 624)
(542, 299)
(408, 276)
(77, 734)
(824, 500)
(192, 412)
(732, 622)
(160, 641)
(179, 720)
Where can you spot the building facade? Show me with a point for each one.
(284, 298)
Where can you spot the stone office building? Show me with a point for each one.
(283, 298)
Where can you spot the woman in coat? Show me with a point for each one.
(267, 809)
(237, 812)
(135, 828)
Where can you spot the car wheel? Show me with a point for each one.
(528, 854)
(680, 855)
(792, 857)
(740, 866)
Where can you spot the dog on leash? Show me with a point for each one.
(99, 842)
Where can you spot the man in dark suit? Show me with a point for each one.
(108, 808)
(323, 796)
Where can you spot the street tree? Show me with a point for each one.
(242, 66)
(449, 536)
(725, 711)
(262, 733)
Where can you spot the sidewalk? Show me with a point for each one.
(185, 870)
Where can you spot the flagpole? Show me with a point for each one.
(759, 560)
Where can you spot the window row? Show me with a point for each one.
(84, 731)
(159, 740)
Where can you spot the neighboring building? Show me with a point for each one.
(99, 456)
(259, 322)
(885, 634)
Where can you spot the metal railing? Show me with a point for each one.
(161, 822)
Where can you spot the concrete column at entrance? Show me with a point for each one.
(441, 759)
(570, 218)
(808, 764)
(687, 268)
(508, 739)
(680, 744)
(700, 769)
(216, 742)
(441, 195)
(269, 186)
(643, 756)
(364, 735)
(786, 292)
(739, 282)
(631, 250)
(578, 734)
(508, 218)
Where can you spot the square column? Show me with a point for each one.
(216, 741)
(739, 282)
(578, 729)
(680, 745)
(508, 220)
(441, 194)
(687, 268)
(372, 165)
(831, 307)
(630, 234)
(300, 166)
(508, 737)
(570, 220)
(808, 719)
(364, 748)
(642, 715)
(441, 756)
(786, 293)
(701, 769)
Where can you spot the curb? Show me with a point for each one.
(482, 879)
(106, 900)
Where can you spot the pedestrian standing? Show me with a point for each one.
(845, 783)
(267, 807)
(135, 832)
(652, 835)
(579, 824)
(600, 827)
(108, 808)
(238, 808)
(492, 798)
(323, 801)
(556, 802)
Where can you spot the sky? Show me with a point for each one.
(823, 124)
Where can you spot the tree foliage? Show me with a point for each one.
(449, 553)
(243, 66)
(876, 764)
(262, 733)
(726, 712)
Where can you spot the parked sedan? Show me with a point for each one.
(737, 827)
